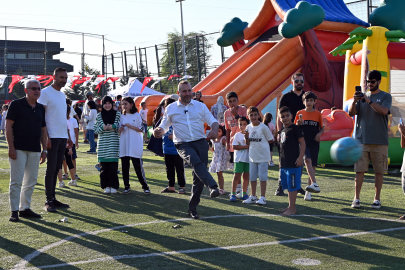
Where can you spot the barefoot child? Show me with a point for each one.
(258, 137)
(241, 160)
(311, 123)
(292, 150)
(220, 158)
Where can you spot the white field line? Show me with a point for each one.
(29, 257)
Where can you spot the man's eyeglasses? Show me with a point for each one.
(299, 81)
(372, 82)
(35, 88)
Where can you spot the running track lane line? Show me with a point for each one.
(28, 258)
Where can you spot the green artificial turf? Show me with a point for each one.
(251, 236)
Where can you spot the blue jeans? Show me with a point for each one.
(90, 138)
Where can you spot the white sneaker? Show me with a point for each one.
(113, 191)
(72, 183)
(307, 196)
(313, 188)
(356, 203)
(252, 199)
(261, 201)
(61, 184)
(107, 190)
(65, 176)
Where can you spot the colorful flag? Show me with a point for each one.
(186, 77)
(145, 82)
(2, 79)
(14, 81)
(174, 76)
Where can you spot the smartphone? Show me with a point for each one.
(400, 121)
(358, 88)
(361, 94)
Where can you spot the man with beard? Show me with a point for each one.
(187, 117)
(292, 100)
(54, 102)
(372, 111)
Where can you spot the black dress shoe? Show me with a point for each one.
(193, 214)
(301, 191)
(14, 216)
(58, 204)
(49, 207)
(28, 213)
(214, 192)
(279, 191)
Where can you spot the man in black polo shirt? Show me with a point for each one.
(25, 132)
(292, 100)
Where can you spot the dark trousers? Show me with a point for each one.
(54, 164)
(196, 153)
(174, 163)
(109, 175)
(68, 158)
(138, 166)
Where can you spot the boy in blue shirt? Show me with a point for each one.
(173, 161)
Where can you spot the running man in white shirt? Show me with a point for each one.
(187, 117)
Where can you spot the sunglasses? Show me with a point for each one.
(299, 81)
(35, 88)
(372, 82)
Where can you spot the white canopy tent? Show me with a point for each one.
(133, 89)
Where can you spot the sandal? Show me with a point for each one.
(182, 191)
(402, 217)
(167, 190)
(221, 191)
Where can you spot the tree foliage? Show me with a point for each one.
(197, 57)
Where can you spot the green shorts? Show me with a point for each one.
(241, 167)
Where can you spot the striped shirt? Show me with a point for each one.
(108, 140)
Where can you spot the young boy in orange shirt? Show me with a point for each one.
(311, 124)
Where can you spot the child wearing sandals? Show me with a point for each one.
(131, 144)
(173, 161)
(220, 158)
(106, 126)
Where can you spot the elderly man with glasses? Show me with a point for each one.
(372, 110)
(25, 132)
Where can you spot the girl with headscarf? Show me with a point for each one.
(106, 126)
(218, 110)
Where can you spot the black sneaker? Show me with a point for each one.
(376, 204)
(127, 190)
(214, 192)
(193, 214)
(301, 191)
(49, 207)
(14, 216)
(279, 190)
(147, 191)
(58, 204)
(28, 213)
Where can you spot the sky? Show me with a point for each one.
(124, 23)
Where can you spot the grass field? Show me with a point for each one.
(135, 231)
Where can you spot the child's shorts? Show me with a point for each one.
(290, 178)
(241, 167)
(312, 152)
(74, 155)
(258, 170)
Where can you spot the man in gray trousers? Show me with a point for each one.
(187, 117)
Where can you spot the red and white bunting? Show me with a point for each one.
(145, 82)
(14, 81)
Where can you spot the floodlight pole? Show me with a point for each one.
(182, 33)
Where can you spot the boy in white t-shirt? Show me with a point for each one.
(241, 160)
(144, 115)
(258, 137)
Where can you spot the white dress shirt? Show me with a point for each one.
(187, 121)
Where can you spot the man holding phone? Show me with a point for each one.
(372, 109)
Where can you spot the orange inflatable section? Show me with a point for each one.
(223, 66)
(236, 68)
(258, 25)
(152, 102)
(337, 124)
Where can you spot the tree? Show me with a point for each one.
(79, 91)
(197, 57)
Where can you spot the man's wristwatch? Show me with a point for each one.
(44, 151)
(371, 102)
